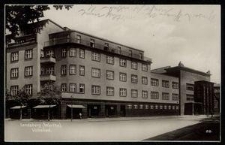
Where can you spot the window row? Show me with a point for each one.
(97, 57)
(96, 90)
(28, 54)
(165, 83)
(27, 88)
(28, 71)
(156, 106)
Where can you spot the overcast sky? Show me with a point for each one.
(167, 34)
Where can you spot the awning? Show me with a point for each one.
(44, 106)
(76, 106)
(18, 107)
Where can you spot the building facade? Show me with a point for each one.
(97, 77)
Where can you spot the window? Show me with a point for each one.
(165, 96)
(165, 107)
(110, 59)
(49, 71)
(72, 52)
(190, 97)
(129, 106)
(141, 106)
(135, 106)
(42, 53)
(109, 75)
(29, 89)
(82, 88)
(134, 78)
(190, 87)
(109, 91)
(82, 53)
(173, 107)
(63, 87)
(95, 72)
(14, 56)
(165, 84)
(156, 106)
(161, 107)
(96, 56)
(78, 38)
(73, 87)
(123, 92)
(14, 73)
(50, 53)
(64, 52)
(146, 107)
(123, 77)
(144, 80)
(14, 90)
(123, 63)
(63, 70)
(29, 54)
(130, 53)
(134, 65)
(134, 93)
(174, 85)
(169, 107)
(28, 71)
(72, 69)
(144, 67)
(154, 95)
(154, 82)
(151, 106)
(145, 94)
(175, 97)
(177, 107)
(106, 47)
(82, 70)
(96, 90)
(92, 43)
(141, 55)
(119, 49)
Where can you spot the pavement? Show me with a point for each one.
(122, 129)
(207, 130)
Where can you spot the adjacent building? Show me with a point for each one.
(97, 77)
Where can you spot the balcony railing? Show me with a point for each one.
(48, 77)
(23, 40)
(48, 59)
(96, 45)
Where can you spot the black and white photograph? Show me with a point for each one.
(112, 73)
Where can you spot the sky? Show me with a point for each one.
(167, 34)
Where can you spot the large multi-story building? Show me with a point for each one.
(97, 77)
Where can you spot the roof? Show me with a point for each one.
(44, 106)
(177, 68)
(71, 30)
(43, 22)
(18, 107)
(160, 70)
(76, 106)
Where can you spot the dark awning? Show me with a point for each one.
(18, 107)
(76, 106)
(44, 106)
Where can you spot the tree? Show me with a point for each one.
(18, 17)
(49, 95)
(21, 98)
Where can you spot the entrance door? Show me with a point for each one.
(93, 110)
(110, 110)
(122, 110)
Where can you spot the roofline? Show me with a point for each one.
(189, 69)
(71, 30)
(54, 23)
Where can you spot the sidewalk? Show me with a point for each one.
(117, 118)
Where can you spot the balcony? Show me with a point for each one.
(48, 60)
(48, 77)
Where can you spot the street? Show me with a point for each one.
(91, 130)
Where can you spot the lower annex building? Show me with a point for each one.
(97, 77)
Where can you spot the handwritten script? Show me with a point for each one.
(143, 11)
